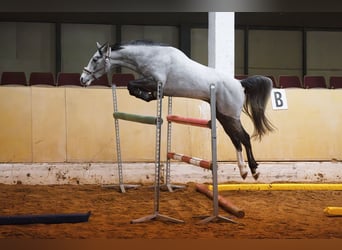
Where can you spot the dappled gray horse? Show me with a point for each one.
(183, 77)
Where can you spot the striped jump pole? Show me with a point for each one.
(185, 121)
(191, 160)
(211, 165)
(168, 183)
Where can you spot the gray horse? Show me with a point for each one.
(183, 77)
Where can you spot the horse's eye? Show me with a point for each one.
(94, 60)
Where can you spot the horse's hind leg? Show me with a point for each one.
(241, 163)
(238, 135)
(143, 88)
(246, 141)
(233, 129)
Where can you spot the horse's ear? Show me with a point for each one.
(108, 50)
(105, 45)
(100, 47)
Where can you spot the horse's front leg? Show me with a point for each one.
(144, 89)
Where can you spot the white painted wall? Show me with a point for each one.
(30, 47)
(275, 53)
(239, 52)
(199, 53)
(324, 53)
(79, 43)
(27, 47)
(162, 34)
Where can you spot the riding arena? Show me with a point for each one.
(177, 150)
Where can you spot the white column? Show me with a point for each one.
(221, 41)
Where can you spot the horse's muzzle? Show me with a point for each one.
(84, 82)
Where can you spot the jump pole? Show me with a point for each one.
(191, 160)
(156, 214)
(333, 211)
(189, 121)
(170, 187)
(199, 162)
(118, 115)
(215, 216)
(185, 121)
(135, 118)
(224, 203)
(278, 186)
(44, 219)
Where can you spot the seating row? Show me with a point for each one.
(122, 79)
(63, 79)
(308, 82)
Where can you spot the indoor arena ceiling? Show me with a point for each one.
(264, 19)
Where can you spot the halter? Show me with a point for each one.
(106, 62)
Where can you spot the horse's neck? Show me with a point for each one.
(147, 61)
(165, 62)
(195, 72)
(123, 63)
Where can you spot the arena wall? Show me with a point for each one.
(48, 124)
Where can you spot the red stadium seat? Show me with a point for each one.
(335, 82)
(286, 81)
(68, 79)
(17, 78)
(102, 81)
(241, 77)
(42, 78)
(122, 79)
(314, 82)
(273, 81)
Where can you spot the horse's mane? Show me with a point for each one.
(119, 46)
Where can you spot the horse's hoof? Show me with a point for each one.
(244, 175)
(256, 175)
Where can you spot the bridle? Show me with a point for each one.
(106, 63)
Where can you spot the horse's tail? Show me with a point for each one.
(257, 91)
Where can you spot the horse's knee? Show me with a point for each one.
(144, 84)
(142, 89)
(144, 95)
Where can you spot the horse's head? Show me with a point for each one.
(97, 65)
